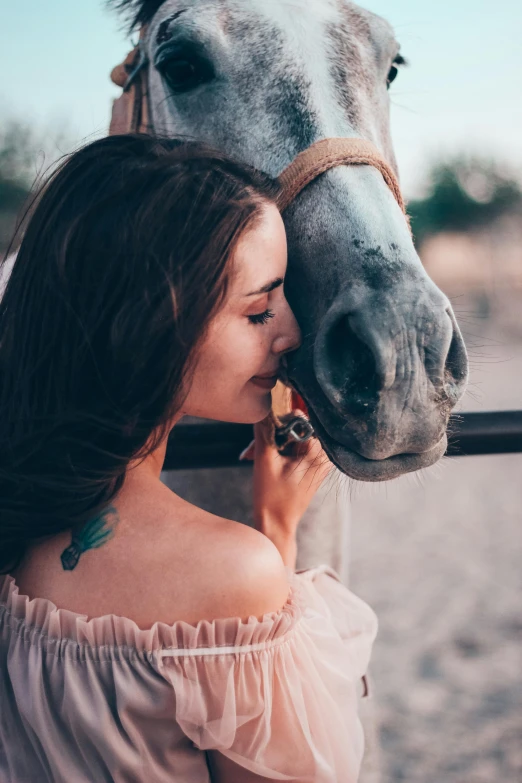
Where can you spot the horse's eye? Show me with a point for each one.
(186, 71)
(394, 70)
(392, 75)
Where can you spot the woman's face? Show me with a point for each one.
(250, 334)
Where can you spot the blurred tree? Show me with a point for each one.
(463, 193)
(25, 154)
(16, 156)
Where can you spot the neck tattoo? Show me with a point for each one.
(92, 535)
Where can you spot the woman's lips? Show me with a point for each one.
(265, 383)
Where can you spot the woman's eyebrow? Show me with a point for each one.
(268, 287)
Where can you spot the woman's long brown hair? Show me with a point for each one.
(123, 263)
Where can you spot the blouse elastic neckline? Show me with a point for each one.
(41, 620)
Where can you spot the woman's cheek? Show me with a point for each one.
(257, 347)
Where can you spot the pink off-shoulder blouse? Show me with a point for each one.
(89, 701)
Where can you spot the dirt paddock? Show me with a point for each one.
(439, 557)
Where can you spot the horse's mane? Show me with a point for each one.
(139, 12)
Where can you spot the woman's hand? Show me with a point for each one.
(284, 485)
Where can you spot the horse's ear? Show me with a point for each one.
(120, 73)
(130, 112)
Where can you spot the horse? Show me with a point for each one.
(382, 362)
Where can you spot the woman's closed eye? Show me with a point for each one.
(261, 318)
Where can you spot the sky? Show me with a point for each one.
(460, 94)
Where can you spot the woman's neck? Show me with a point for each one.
(152, 466)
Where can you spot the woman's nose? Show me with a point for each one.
(291, 338)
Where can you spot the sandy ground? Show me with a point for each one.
(439, 557)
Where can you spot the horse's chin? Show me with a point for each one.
(362, 469)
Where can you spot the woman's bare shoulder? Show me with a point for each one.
(227, 569)
(177, 563)
(249, 571)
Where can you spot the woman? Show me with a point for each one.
(142, 638)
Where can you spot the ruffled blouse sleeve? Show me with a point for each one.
(278, 695)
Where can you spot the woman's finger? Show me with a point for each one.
(263, 434)
(249, 452)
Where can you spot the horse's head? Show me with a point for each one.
(382, 361)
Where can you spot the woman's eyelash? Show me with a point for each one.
(261, 318)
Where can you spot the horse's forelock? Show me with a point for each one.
(140, 12)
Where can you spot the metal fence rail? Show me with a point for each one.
(217, 445)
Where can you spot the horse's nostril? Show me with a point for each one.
(369, 360)
(456, 366)
(348, 372)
